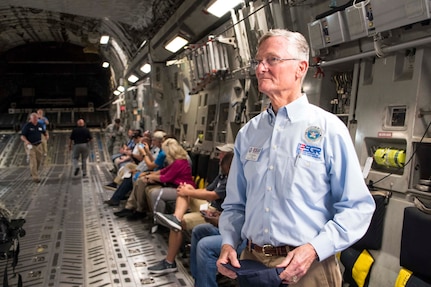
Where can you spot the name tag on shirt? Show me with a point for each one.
(253, 153)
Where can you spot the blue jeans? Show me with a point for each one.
(122, 190)
(205, 250)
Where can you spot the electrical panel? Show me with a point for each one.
(391, 14)
(328, 31)
(360, 21)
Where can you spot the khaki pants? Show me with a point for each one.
(138, 198)
(44, 145)
(36, 158)
(324, 273)
(194, 217)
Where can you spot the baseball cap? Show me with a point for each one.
(225, 147)
(159, 135)
(255, 274)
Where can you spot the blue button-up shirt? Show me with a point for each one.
(295, 179)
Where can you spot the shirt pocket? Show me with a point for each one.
(308, 180)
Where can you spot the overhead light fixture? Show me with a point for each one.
(104, 39)
(132, 79)
(175, 62)
(120, 88)
(220, 7)
(175, 44)
(117, 92)
(146, 68)
(105, 65)
(142, 44)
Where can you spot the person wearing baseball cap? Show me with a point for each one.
(225, 148)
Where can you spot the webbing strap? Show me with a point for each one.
(419, 204)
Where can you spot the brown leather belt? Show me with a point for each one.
(269, 250)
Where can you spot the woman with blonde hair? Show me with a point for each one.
(173, 150)
(177, 172)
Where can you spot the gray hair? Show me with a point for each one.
(299, 48)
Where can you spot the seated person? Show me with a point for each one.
(178, 171)
(132, 155)
(134, 171)
(205, 249)
(148, 162)
(158, 198)
(187, 195)
(125, 147)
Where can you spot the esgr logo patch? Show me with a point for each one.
(309, 150)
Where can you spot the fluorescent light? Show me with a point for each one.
(146, 68)
(120, 88)
(117, 92)
(171, 62)
(104, 39)
(105, 65)
(220, 7)
(175, 62)
(142, 45)
(132, 78)
(176, 44)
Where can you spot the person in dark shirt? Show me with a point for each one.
(31, 135)
(80, 138)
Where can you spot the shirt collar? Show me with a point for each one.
(293, 111)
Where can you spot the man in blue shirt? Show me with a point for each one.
(44, 122)
(31, 135)
(295, 190)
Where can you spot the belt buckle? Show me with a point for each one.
(267, 246)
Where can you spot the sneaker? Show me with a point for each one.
(124, 212)
(163, 267)
(76, 171)
(168, 220)
(136, 216)
(111, 202)
(111, 186)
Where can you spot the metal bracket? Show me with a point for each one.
(423, 113)
(226, 40)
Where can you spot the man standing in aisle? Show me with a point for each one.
(295, 190)
(80, 138)
(31, 135)
(44, 122)
(115, 136)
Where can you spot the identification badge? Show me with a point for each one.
(253, 153)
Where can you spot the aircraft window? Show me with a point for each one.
(396, 117)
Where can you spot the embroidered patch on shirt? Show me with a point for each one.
(309, 150)
(253, 153)
(313, 134)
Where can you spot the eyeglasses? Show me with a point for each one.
(269, 62)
